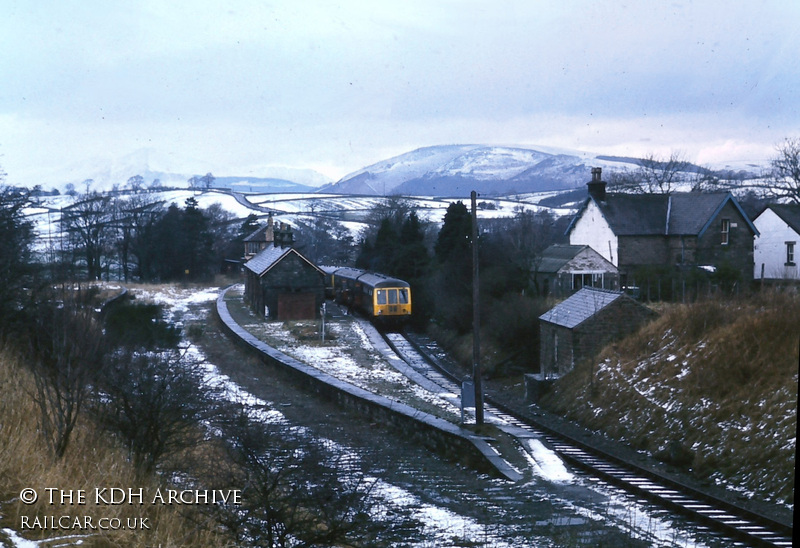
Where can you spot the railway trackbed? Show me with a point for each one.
(743, 526)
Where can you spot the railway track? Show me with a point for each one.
(744, 527)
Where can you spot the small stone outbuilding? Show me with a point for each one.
(281, 284)
(580, 326)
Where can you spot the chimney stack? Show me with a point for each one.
(597, 187)
(284, 236)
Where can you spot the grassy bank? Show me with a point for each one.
(709, 387)
(93, 460)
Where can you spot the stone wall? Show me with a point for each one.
(616, 321)
(635, 251)
(561, 348)
(738, 253)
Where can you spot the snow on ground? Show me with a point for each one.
(337, 360)
(19, 542)
(442, 526)
(440, 523)
(546, 464)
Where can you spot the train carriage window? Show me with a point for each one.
(392, 296)
(381, 296)
(403, 293)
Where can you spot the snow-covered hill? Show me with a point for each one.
(455, 170)
(159, 169)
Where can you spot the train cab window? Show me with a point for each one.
(381, 296)
(392, 296)
(403, 294)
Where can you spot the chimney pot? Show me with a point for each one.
(597, 187)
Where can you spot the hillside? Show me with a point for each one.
(709, 387)
(433, 171)
(455, 170)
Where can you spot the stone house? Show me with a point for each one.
(775, 250)
(281, 284)
(561, 270)
(680, 230)
(580, 326)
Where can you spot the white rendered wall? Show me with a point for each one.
(592, 229)
(770, 247)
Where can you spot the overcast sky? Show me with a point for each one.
(232, 86)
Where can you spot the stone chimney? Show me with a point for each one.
(284, 236)
(597, 187)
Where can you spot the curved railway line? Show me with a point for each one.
(741, 525)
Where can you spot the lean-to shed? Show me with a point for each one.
(563, 269)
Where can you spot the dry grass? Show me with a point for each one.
(92, 461)
(710, 386)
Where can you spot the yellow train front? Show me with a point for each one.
(383, 299)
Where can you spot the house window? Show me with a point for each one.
(587, 280)
(790, 253)
(726, 231)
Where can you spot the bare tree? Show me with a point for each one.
(660, 175)
(155, 401)
(785, 177)
(65, 348)
(655, 175)
(136, 183)
(523, 238)
(207, 180)
(297, 493)
(132, 217)
(88, 222)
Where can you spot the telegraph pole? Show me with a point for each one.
(476, 317)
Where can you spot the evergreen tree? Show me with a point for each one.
(453, 285)
(453, 243)
(412, 259)
(16, 238)
(387, 242)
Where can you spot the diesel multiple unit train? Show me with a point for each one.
(383, 299)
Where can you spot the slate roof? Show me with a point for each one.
(789, 213)
(258, 235)
(269, 257)
(635, 214)
(677, 214)
(581, 306)
(556, 256)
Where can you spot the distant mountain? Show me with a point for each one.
(170, 170)
(455, 170)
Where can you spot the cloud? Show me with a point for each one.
(337, 84)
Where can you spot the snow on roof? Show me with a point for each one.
(580, 307)
(270, 256)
